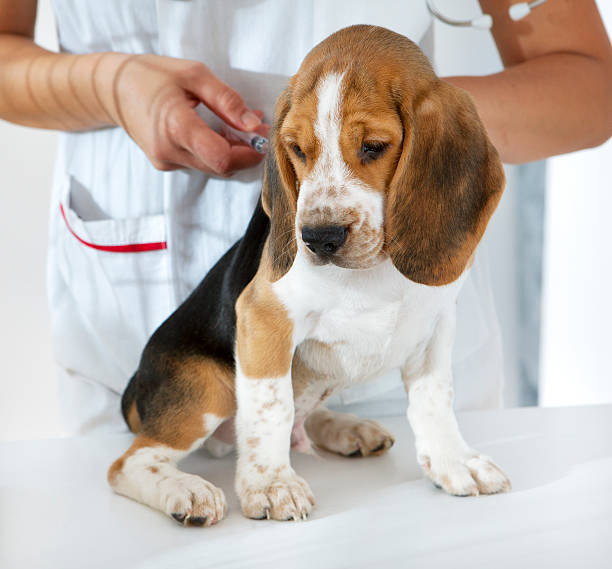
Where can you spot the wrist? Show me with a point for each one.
(105, 71)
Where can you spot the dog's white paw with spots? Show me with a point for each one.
(191, 500)
(465, 474)
(283, 497)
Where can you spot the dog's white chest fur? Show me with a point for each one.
(353, 326)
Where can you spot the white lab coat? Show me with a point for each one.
(105, 304)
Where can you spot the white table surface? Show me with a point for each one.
(56, 510)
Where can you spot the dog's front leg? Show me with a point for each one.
(441, 451)
(266, 483)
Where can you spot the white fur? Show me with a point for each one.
(330, 168)
(376, 319)
(265, 413)
(265, 482)
(441, 451)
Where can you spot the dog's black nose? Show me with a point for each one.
(324, 240)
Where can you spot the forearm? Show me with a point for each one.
(550, 105)
(153, 98)
(555, 95)
(50, 90)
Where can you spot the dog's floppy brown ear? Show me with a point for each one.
(448, 181)
(279, 195)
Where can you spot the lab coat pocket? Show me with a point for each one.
(116, 273)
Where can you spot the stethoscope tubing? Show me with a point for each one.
(450, 21)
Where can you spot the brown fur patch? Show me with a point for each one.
(196, 386)
(252, 442)
(446, 483)
(264, 331)
(448, 182)
(133, 418)
(279, 197)
(347, 434)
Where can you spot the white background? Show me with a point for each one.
(28, 406)
(576, 340)
(577, 299)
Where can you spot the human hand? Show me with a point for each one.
(154, 100)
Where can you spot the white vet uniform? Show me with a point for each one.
(128, 243)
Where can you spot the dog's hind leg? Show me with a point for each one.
(341, 433)
(147, 473)
(186, 409)
(347, 434)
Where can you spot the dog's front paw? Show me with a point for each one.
(191, 500)
(465, 474)
(286, 497)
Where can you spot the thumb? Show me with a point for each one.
(222, 100)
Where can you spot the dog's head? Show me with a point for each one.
(373, 156)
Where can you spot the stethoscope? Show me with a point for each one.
(517, 12)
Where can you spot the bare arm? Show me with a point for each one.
(555, 93)
(152, 97)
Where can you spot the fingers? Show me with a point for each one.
(190, 142)
(239, 159)
(197, 146)
(221, 99)
(263, 128)
(243, 157)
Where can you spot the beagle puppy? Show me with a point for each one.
(378, 187)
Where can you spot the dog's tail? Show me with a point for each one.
(129, 407)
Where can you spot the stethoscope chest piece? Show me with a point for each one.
(484, 22)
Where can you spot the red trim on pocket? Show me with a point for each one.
(132, 248)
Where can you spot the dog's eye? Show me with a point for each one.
(370, 151)
(298, 152)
